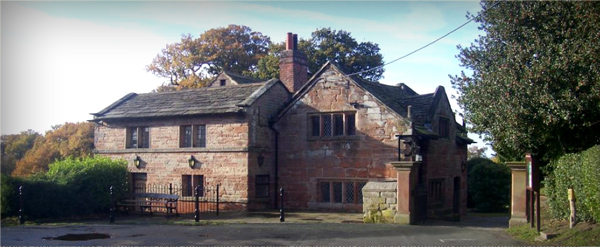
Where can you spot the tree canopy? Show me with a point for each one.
(193, 62)
(67, 140)
(325, 45)
(534, 80)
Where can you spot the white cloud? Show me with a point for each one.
(58, 69)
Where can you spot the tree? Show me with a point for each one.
(193, 62)
(329, 45)
(535, 83)
(14, 148)
(476, 152)
(67, 140)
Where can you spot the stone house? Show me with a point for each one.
(323, 139)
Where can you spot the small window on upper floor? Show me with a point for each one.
(222, 82)
(192, 136)
(332, 124)
(138, 137)
(444, 130)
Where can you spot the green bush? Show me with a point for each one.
(9, 197)
(71, 187)
(488, 185)
(581, 172)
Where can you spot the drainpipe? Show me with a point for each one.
(276, 178)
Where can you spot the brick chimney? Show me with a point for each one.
(293, 69)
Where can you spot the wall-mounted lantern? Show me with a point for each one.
(192, 161)
(411, 149)
(261, 160)
(137, 161)
(463, 166)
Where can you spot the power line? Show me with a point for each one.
(425, 46)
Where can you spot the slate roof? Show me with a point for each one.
(397, 98)
(215, 100)
(240, 79)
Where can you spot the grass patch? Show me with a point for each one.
(582, 234)
(523, 232)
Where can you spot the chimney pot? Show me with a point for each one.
(289, 44)
(295, 43)
(408, 112)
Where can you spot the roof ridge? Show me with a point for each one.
(206, 88)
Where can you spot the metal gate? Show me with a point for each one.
(208, 197)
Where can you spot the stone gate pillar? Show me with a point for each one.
(407, 182)
(518, 194)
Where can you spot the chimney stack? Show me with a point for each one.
(293, 68)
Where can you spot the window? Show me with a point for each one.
(189, 184)
(222, 82)
(261, 185)
(436, 190)
(347, 192)
(444, 130)
(192, 136)
(138, 137)
(332, 124)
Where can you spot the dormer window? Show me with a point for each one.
(222, 82)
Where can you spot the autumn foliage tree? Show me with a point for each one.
(67, 140)
(14, 148)
(192, 62)
(534, 80)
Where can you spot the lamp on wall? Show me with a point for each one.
(463, 166)
(261, 160)
(137, 161)
(192, 161)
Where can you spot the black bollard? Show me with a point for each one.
(281, 211)
(112, 205)
(21, 208)
(197, 204)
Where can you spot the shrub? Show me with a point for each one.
(488, 185)
(9, 197)
(71, 187)
(581, 172)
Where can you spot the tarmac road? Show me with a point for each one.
(259, 234)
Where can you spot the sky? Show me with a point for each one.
(61, 61)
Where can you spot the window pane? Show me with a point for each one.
(316, 125)
(145, 140)
(326, 125)
(186, 136)
(350, 125)
(200, 136)
(325, 196)
(337, 192)
(262, 186)
(133, 137)
(338, 120)
(198, 180)
(349, 192)
(186, 185)
(360, 186)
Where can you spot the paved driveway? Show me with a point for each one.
(260, 234)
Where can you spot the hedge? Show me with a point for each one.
(581, 172)
(71, 187)
(488, 185)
